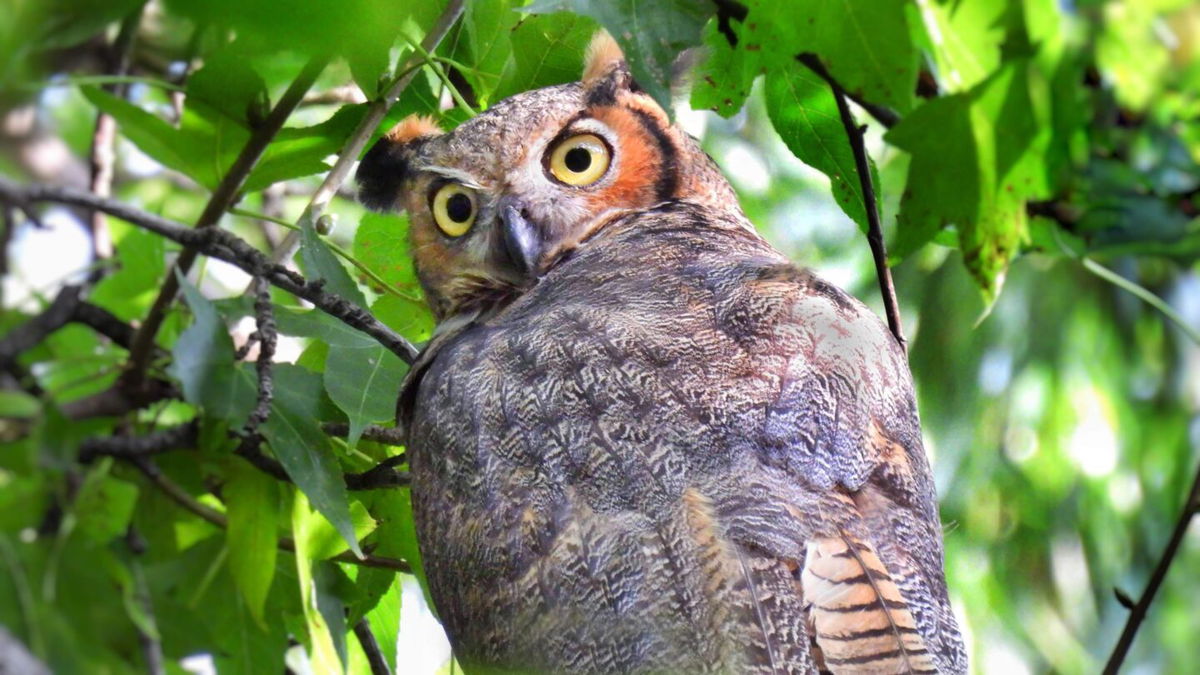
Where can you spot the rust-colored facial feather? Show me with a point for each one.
(502, 159)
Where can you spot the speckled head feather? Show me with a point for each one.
(502, 159)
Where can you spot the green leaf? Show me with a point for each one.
(203, 363)
(252, 507)
(488, 26)
(652, 34)
(552, 47)
(724, 79)
(320, 262)
(322, 651)
(141, 257)
(865, 44)
(976, 161)
(385, 619)
(381, 244)
(330, 584)
(804, 111)
(411, 319)
(306, 453)
(302, 151)
(363, 381)
(324, 542)
(228, 86)
(18, 405)
(186, 150)
(104, 505)
(969, 35)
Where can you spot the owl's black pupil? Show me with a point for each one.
(458, 207)
(578, 160)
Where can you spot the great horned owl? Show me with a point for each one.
(640, 439)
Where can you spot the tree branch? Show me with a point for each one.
(218, 243)
(363, 132)
(179, 437)
(1137, 613)
(185, 437)
(102, 154)
(181, 497)
(32, 332)
(267, 338)
(222, 198)
(370, 647)
(372, 432)
(874, 229)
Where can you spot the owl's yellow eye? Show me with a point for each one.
(580, 160)
(454, 209)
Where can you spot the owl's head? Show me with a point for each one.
(503, 198)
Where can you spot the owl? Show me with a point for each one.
(640, 439)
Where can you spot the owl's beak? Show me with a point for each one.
(522, 241)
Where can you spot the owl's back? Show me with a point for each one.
(626, 469)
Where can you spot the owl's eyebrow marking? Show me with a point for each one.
(456, 175)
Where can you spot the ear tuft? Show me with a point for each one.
(413, 127)
(382, 171)
(603, 55)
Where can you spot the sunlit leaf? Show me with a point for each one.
(803, 109)
(252, 507)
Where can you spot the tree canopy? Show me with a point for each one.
(203, 334)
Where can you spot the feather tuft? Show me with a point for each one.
(413, 127)
(603, 54)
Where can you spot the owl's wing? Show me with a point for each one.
(843, 431)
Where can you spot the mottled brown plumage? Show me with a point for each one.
(641, 440)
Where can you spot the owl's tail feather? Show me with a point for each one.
(862, 623)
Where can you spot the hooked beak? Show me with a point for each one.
(522, 241)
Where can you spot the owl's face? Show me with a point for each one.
(500, 200)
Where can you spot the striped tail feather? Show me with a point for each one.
(861, 622)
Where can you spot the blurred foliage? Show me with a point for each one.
(1008, 139)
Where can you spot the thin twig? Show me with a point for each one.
(371, 432)
(370, 647)
(181, 497)
(222, 198)
(862, 165)
(1191, 506)
(363, 132)
(102, 154)
(151, 645)
(267, 338)
(185, 437)
(1138, 613)
(223, 245)
(1142, 293)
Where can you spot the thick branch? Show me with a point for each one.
(862, 164)
(32, 332)
(1137, 613)
(222, 198)
(222, 245)
(179, 437)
